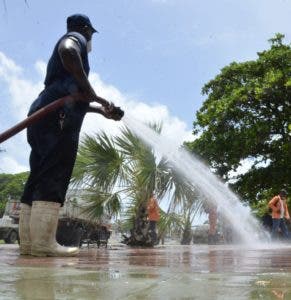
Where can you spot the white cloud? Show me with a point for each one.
(8, 68)
(40, 66)
(10, 165)
(23, 90)
(245, 165)
(173, 127)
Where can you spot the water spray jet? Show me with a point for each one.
(246, 227)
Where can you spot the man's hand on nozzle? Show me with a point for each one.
(109, 110)
(113, 112)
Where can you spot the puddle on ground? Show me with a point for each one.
(174, 272)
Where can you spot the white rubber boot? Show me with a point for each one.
(24, 229)
(43, 228)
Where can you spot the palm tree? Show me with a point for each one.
(189, 210)
(169, 223)
(120, 173)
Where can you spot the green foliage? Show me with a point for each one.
(247, 116)
(11, 186)
(101, 203)
(260, 208)
(99, 161)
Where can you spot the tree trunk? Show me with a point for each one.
(140, 234)
(187, 235)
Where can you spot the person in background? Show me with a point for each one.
(211, 210)
(212, 217)
(153, 211)
(279, 207)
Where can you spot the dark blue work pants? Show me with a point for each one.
(279, 223)
(54, 144)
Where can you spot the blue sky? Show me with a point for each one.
(151, 56)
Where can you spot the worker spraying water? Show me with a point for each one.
(59, 111)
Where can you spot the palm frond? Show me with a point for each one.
(143, 162)
(169, 221)
(100, 204)
(99, 163)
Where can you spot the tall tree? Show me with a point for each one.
(246, 117)
(11, 186)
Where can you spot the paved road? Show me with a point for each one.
(170, 272)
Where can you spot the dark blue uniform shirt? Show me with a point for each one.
(54, 139)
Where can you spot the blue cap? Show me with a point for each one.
(79, 20)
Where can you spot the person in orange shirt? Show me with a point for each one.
(279, 212)
(153, 215)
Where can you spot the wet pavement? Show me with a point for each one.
(165, 272)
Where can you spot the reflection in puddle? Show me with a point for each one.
(188, 272)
